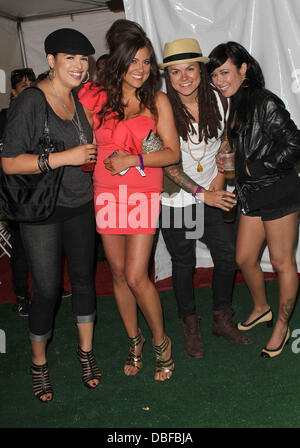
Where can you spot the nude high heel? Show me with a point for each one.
(271, 353)
(265, 317)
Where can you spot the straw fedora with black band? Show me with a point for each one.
(182, 51)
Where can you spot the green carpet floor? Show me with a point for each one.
(232, 387)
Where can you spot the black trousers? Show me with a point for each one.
(44, 245)
(220, 239)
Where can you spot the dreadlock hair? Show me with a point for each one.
(128, 38)
(209, 114)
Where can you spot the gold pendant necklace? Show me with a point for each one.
(199, 166)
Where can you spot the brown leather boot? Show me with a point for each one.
(223, 326)
(192, 337)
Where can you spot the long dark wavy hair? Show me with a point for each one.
(254, 78)
(209, 114)
(124, 39)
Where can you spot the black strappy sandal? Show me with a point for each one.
(90, 370)
(41, 382)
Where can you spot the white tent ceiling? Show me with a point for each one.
(24, 24)
(32, 9)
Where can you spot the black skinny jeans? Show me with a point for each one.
(44, 245)
(220, 239)
(18, 262)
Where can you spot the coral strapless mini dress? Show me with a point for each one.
(128, 204)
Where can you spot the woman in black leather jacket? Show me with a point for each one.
(266, 143)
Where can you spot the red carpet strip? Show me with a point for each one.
(103, 280)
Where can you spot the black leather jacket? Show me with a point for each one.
(269, 147)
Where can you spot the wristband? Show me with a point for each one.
(142, 166)
(198, 190)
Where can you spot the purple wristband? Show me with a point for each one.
(142, 166)
(198, 190)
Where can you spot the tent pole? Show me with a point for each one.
(21, 40)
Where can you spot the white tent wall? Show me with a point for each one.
(93, 25)
(269, 29)
(10, 57)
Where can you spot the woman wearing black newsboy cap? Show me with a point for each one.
(71, 226)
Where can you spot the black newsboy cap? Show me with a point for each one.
(68, 40)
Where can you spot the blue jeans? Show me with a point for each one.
(220, 239)
(44, 245)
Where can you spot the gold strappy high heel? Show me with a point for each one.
(133, 359)
(163, 365)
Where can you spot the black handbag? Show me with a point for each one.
(32, 197)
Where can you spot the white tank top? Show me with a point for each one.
(208, 162)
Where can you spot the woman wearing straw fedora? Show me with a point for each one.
(200, 118)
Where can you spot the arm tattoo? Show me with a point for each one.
(177, 175)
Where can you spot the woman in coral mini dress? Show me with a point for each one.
(124, 109)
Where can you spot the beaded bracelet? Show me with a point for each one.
(142, 166)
